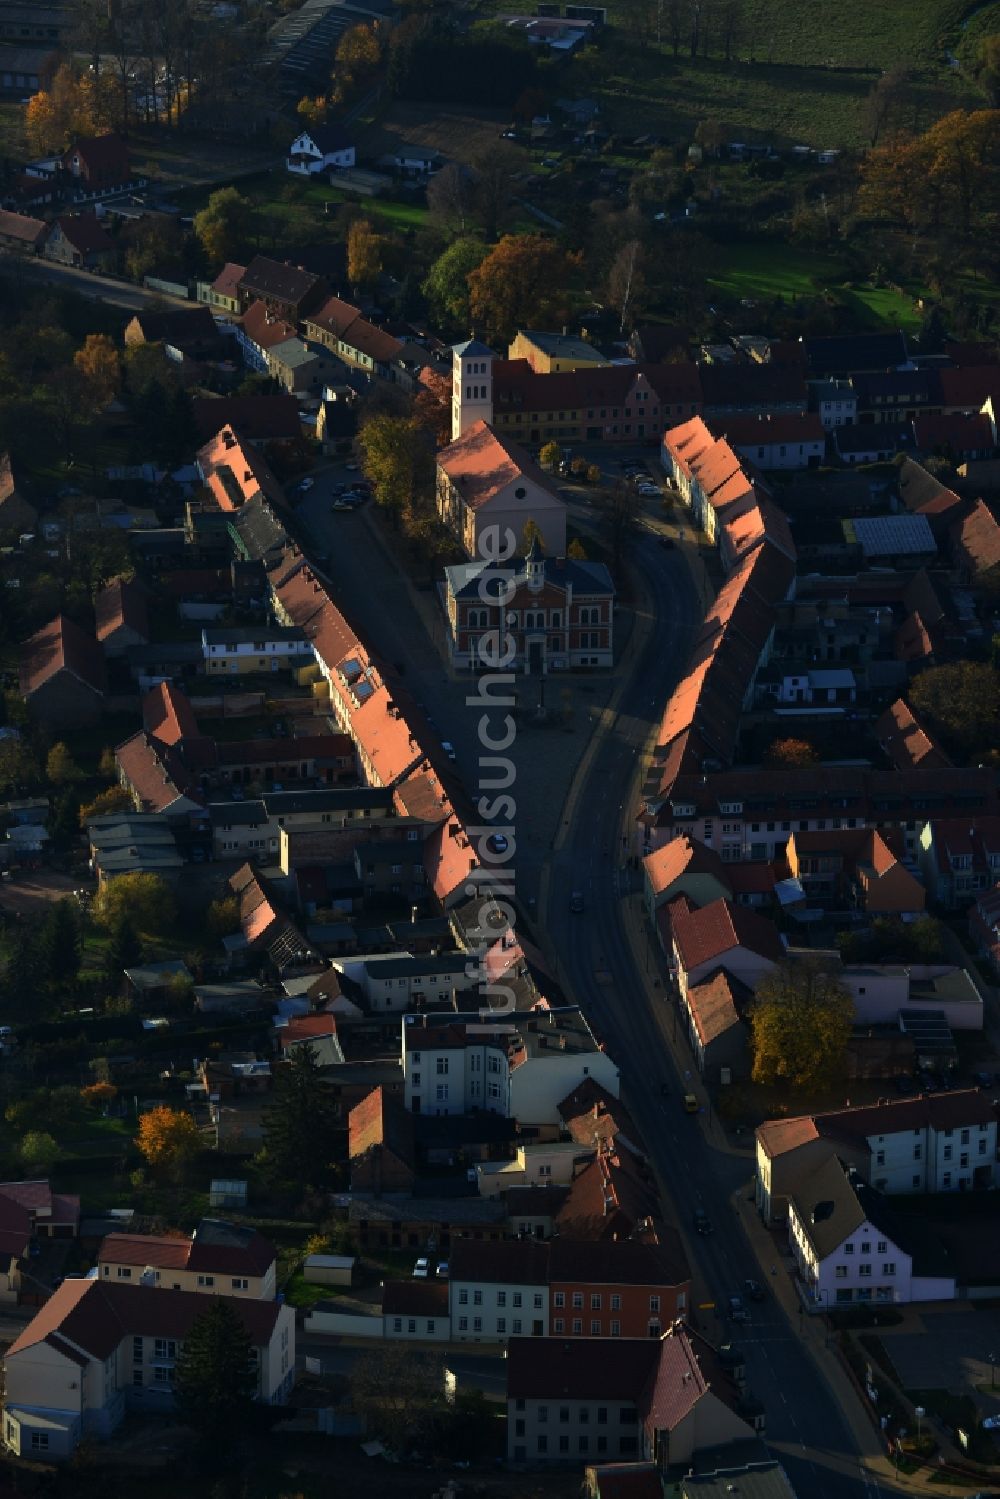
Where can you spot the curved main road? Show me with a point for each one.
(600, 968)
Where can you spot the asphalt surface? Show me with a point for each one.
(601, 970)
(85, 284)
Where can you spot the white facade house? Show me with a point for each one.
(322, 148)
(241, 648)
(95, 1351)
(823, 687)
(494, 1303)
(835, 401)
(521, 1067)
(846, 1252)
(399, 981)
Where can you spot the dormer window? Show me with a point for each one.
(520, 492)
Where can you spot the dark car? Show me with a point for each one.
(576, 902)
(702, 1222)
(736, 1310)
(983, 1079)
(753, 1290)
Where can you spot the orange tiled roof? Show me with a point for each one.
(481, 464)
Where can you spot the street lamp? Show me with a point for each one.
(992, 1358)
(920, 1413)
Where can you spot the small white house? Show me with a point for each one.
(322, 148)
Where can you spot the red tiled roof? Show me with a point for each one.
(969, 386)
(779, 1136)
(346, 323)
(593, 1116)
(84, 232)
(517, 387)
(905, 741)
(153, 772)
(121, 603)
(306, 1028)
(421, 795)
(923, 493)
(611, 1197)
(627, 1481)
(227, 282)
(104, 156)
(235, 471)
(61, 646)
(259, 418)
(15, 1227)
(710, 932)
(265, 328)
(962, 434)
(415, 1298)
(95, 1317)
(977, 539)
(682, 855)
(19, 226)
(168, 715)
(759, 431)
(448, 857)
(481, 464)
(581, 1368)
(941, 1111)
(163, 1251)
(712, 1007)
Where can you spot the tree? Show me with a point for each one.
(115, 799)
(798, 754)
(619, 507)
(398, 1392)
(168, 1138)
(576, 551)
(446, 286)
(38, 1150)
(100, 367)
(551, 455)
(215, 1376)
(530, 531)
(495, 172)
(800, 1025)
(23, 975)
(524, 282)
(223, 226)
(300, 1122)
(312, 111)
(60, 767)
(626, 283)
(398, 462)
(123, 950)
(450, 197)
(962, 700)
(988, 68)
(223, 916)
(364, 255)
(98, 1096)
(145, 899)
(18, 766)
(60, 943)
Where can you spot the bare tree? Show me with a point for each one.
(694, 26)
(398, 1391)
(887, 95)
(626, 283)
(672, 13)
(91, 31)
(450, 197)
(122, 16)
(619, 508)
(495, 170)
(731, 25)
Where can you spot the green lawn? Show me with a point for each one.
(762, 271)
(813, 67)
(301, 1293)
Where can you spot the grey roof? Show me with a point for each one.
(249, 634)
(340, 799)
(564, 343)
(295, 352)
(587, 578)
(892, 535)
(120, 829)
(473, 347)
(754, 1481)
(155, 975)
(827, 1207)
(876, 437)
(405, 966)
(237, 814)
(426, 1210)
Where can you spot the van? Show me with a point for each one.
(690, 1103)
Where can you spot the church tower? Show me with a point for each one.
(471, 386)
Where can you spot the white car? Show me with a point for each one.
(421, 1269)
(449, 749)
(306, 485)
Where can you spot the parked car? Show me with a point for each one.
(448, 748)
(306, 485)
(576, 902)
(737, 1311)
(690, 1103)
(497, 843)
(341, 504)
(702, 1222)
(442, 1270)
(753, 1290)
(422, 1269)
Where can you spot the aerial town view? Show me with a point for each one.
(499, 749)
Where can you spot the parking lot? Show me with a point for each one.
(947, 1350)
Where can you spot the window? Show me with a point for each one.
(864, 1269)
(915, 1181)
(240, 1283)
(559, 1298)
(137, 1378)
(124, 1272)
(477, 1324)
(965, 1137)
(946, 1153)
(616, 1329)
(602, 1415)
(889, 1268)
(882, 1246)
(463, 1298)
(564, 1444)
(559, 1325)
(841, 1272)
(848, 1248)
(982, 1147)
(477, 1298)
(517, 1325)
(162, 1374)
(517, 1298)
(165, 1348)
(442, 1066)
(627, 1445)
(578, 1325)
(654, 1303)
(595, 1301)
(501, 1298)
(616, 1302)
(206, 1280)
(918, 1152)
(880, 1158)
(577, 1299)
(583, 1444)
(543, 1444)
(39, 1441)
(463, 1324)
(536, 1301)
(543, 1414)
(866, 1247)
(137, 1350)
(628, 1415)
(501, 1324)
(397, 1324)
(564, 1414)
(602, 1444)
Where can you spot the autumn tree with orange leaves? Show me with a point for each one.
(526, 281)
(168, 1139)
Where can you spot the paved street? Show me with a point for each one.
(85, 284)
(600, 966)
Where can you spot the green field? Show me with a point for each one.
(800, 73)
(764, 271)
